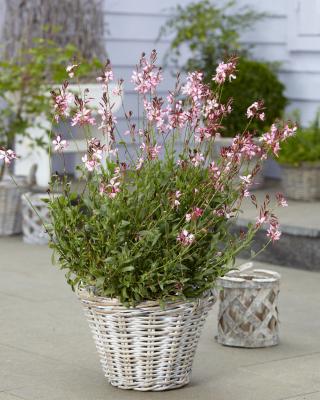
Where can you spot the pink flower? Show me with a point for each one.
(247, 179)
(154, 112)
(224, 71)
(195, 88)
(92, 161)
(194, 215)
(62, 100)
(59, 144)
(273, 232)
(177, 117)
(147, 76)
(8, 156)
(71, 69)
(151, 151)
(106, 76)
(197, 159)
(83, 117)
(185, 238)
(139, 163)
(113, 187)
(281, 200)
(117, 91)
(255, 110)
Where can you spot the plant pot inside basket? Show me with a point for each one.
(146, 348)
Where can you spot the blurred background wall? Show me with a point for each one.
(290, 34)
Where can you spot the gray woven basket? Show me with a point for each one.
(248, 311)
(146, 348)
(301, 183)
(33, 218)
(10, 205)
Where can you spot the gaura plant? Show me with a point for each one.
(157, 225)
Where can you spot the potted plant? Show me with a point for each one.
(145, 239)
(300, 162)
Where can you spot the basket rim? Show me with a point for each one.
(250, 278)
(88, 296)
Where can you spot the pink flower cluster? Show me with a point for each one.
(194, 215)
(7, 156)
(92, 159)
(84, 114)
(147, 76)
(152, 152)
(62, 100)
(256, 110)
(185, 238)
(106, 77)
(225, 71)
(276, 135)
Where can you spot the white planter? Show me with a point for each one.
(146, 348)
(10, 204)
(33, 217)
(248, 312)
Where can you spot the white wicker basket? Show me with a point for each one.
(10, 204)
(301, 183)
(32, 222)
(248, 312)
(146, 348)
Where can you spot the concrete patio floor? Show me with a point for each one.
(46, 351)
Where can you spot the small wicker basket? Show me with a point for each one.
(33, 218)
(248, 312)
(301, 183)
(10, 204)
(146, 348)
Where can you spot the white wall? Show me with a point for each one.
(291, 34)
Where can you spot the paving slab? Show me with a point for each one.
(47, 353)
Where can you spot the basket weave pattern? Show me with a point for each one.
(248, 312)
(301, 183)
(32, 224)
(10, 205)
(146, 348)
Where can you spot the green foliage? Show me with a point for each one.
(25, 85)
(304, 147)
(255, 81)
(127, 247)
(211, 34)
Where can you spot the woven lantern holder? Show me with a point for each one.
(33, 217)
(146, 348)
(248, 312)
(10, 204)
(301, 183)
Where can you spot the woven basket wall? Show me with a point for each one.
(10, 205)
(248, 311)
(301, 183)
(32, 222)
(146, 348)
